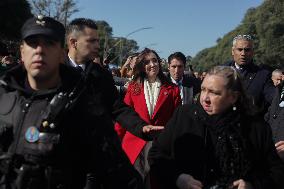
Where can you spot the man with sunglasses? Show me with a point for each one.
(256, 79)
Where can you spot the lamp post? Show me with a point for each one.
(135, 31)
(120, 42)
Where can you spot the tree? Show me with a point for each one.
(266, 24)
(105, 34)
(60, 10)
(116, 49)
(13, 14)
(188, 62)
(121, 48)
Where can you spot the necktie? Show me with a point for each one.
(179, 84)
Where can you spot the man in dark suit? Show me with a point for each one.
(83, 47)
(188, 84)
(257, 79)
(275, 117)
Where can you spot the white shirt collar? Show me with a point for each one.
(237, 66)
(73, 63)
(177, 82)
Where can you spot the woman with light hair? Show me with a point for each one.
(218, 143)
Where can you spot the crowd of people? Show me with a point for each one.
(69, 121)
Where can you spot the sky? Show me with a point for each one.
(187, 26)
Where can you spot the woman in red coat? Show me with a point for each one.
(154, 98)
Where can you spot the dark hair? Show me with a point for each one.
(235, 84)
(116, 71)
(177, 55)
(79, 24)
(139, 73)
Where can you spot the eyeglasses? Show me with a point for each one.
(247, 37)
(153, 60)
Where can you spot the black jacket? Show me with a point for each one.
(189, 145)
(275, 116)
(191, 87)
(82, 142)
(115, 105)
(258, 84)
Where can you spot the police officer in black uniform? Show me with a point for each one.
(52, 129)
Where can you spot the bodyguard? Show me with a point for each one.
(257, 79)
(46, 139)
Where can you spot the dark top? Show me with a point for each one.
(82, 141)
(275, 115)
(216, 150)
(190, 81)
(257, 83)
(120, 112)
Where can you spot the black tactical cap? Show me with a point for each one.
(43, 26)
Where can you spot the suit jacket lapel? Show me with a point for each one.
(187, 95)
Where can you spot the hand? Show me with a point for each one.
(7, 60)
(133, 62)
(127, 62)
(280, 149)
(150, 129)
(241, 184)
(126, 85)
(185, 181)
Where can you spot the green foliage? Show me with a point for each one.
(266, 24)
(117, 49)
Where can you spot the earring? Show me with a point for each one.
(234, 108)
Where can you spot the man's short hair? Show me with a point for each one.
(242, 37)
(277, 71)
(177, 55)
(79, 24)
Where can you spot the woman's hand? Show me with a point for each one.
(241, 184)
(185, 181)
(127, 62)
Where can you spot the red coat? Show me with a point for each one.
(168, 100)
